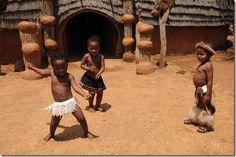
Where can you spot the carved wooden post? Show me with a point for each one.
(30, 44)
(29, 35)
(161, 10)
(162, 21)
(137, 36)
(48, 21)
(145, 46)
(128, 19)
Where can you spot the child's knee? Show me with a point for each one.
(55, 121)
(92, 93)
(81, 118)
(100, 93)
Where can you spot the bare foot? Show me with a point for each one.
(99, 109)
(90, 136)
(48, 137)
(90, 109)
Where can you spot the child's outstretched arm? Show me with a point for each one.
(43, 72)
(102, 67)
(78, 89)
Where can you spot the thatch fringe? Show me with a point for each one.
(113, 8)
(183, 12)
(15, 6)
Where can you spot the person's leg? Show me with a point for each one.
(98, 101)
(53, 126)
(91, 109)
(81, 119)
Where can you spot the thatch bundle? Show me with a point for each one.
(145, 68)
(127, 18)
(47, 20)
(145, 45)
(127, 41)
(145, 28)
(30, 49)
(28, 27)
(50, 44)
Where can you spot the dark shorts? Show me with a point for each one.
(91, 84)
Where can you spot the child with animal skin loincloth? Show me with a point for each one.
(202, 113)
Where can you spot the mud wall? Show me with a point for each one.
(10, 48)
(181, 40)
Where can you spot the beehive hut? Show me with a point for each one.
(189, 22)
(75, 20)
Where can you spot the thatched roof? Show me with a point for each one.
(192, 12)
(65, 8)
(19, 10)
(3, 5)
(182, 13)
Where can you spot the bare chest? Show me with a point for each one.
(63, 81)
(94, 61)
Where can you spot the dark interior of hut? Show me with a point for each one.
(82, 26)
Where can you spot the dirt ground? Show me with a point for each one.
(145, 113)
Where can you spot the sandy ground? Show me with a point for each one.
(145, 116)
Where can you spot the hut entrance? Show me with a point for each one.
(80, 27)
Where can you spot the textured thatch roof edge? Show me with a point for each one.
(183, 13)
(75, 11)
(66, 8)
(214, 14)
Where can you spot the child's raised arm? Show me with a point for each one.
(43, 72)
(78, 89)
(83, 66)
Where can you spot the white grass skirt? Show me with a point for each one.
(63, 108)
(201, 117)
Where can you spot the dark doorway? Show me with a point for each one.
(82, 26)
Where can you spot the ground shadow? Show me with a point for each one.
(3, 74)
(104, 106)
(70, 133)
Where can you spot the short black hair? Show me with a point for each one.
(94, 38)
(58, 56)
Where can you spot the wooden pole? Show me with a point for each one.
(48, 21)
(137, 36)
(162, 21)
(128, 19)
(128, 9)
(30, 44)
